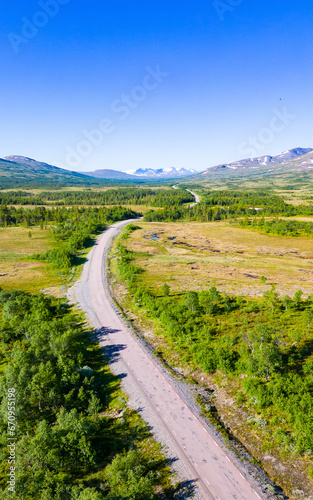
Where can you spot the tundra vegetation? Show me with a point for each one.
(262, 347)
(44, 248)
(230, 204)
(281, 227)
(70, 445)
(76, 437)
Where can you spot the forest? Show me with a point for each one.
(41, 216)
(264, 344)
(121, 196)
(74, 437)
(291, 228)
(227, 204)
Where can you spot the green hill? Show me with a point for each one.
(21, 172)
(290, 174)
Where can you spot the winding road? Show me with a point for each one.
(197, 198)
(153, 391)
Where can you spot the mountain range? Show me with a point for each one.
(262, 161)
(143, 173)
(20, 171)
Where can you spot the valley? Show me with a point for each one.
(215, 277)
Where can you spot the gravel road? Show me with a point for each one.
(197, 455)
(197, 198)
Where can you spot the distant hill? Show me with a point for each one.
(292, 163)
(22, 172)
(142, 173)
(110, 174)
(262, 161)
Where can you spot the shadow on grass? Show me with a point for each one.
(79, 260)
(295, 357)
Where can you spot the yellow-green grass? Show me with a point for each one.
(66, 188)
(82, 188)
(136, 208)
(16, 270)
(166, 262)
(231, 258)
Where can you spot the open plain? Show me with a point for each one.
(200, 255)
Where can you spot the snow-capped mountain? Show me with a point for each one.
(263, 161)
(161, 173)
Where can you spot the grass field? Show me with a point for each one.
(199, 255)
(16, 270)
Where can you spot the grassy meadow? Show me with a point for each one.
(198, 255)
(17, 271)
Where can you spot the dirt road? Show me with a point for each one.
(197, 198)
(200, 456)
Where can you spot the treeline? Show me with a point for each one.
(75, 439)
(223, 204)
(121, 196)
(41, 216)
(265, 344)
(241, 200)
(292, 228)
(20, 198)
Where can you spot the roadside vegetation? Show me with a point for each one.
(76, 437)
(44, 248)
(260, 349)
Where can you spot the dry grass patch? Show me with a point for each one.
(136, 208)
(199, 255)
(17, 240)
(16, 272)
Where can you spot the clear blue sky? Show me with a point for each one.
(79, 89)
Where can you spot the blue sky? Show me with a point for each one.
(91, 85)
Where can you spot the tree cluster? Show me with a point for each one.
(291, 228)
(121, 196)
(42, 216)
(66, 430)
(229, 204)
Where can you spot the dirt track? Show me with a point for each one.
(200, 457)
